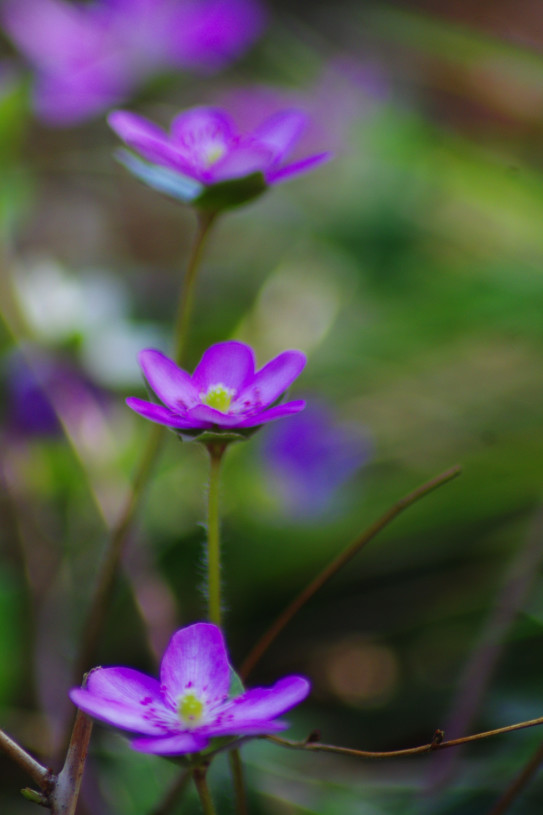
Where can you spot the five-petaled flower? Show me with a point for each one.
(198, 697)
(224, 392)
(207, 161)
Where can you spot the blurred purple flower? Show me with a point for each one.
(198, 697)
(311, 457)
(89, 57)
(223, 393)
(205, 148)
(32, 381)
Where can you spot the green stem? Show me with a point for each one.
(182, 322)
(216, 452)
(199, 775)
(105, 582)
(236, 769)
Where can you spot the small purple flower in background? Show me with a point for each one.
(223, 393)
(198, 697)
(32, 380)
(205, 149)
(310, 458)
(89, 57)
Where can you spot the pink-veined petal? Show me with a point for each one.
(161, 415)
(259, 707)
(280, 174)
(172, 385)
(228, 363)
(271, 414)
(196, 662)
(124, 698)
(281, 131)
(273, 379)
(171, 745)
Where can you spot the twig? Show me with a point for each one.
(437, 743)
(41, 776)
(341, 560)
(518, 784)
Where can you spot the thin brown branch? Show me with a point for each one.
(437, 743)
(341, 560)
(518, 783)
(41, 775)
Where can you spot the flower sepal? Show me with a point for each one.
(231, 193)
(218, 436)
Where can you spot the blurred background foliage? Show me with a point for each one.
(409, 271)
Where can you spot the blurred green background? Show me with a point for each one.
(409, 269)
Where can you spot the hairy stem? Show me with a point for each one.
(341, 560)
(216, 452)
(182, 323)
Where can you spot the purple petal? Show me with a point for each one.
(203, 414)
(172, 385)
(149, 140)
(271, 414)
(248, 728)
(241, 161)
(201, 123)
(172, 745)
(281, 131)
(196, 662)
(274, 176)
(273, 379)
(161, 415)
(255, 710)
(124, 698)
(227, 363)
(209, 33)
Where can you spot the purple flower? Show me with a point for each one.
(89, 57)
(198, 697)
(223, 393)
(311, 457)
(205, 151)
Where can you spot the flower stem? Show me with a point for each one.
(199, 774)
(216, 452)
(341, 560)
(182, 323)
(236, 769)
(119, 533)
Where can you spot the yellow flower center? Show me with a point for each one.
(213, 152)
(218, 397)
(190, 709)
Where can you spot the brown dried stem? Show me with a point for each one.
(437, 743)
(341, 560)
